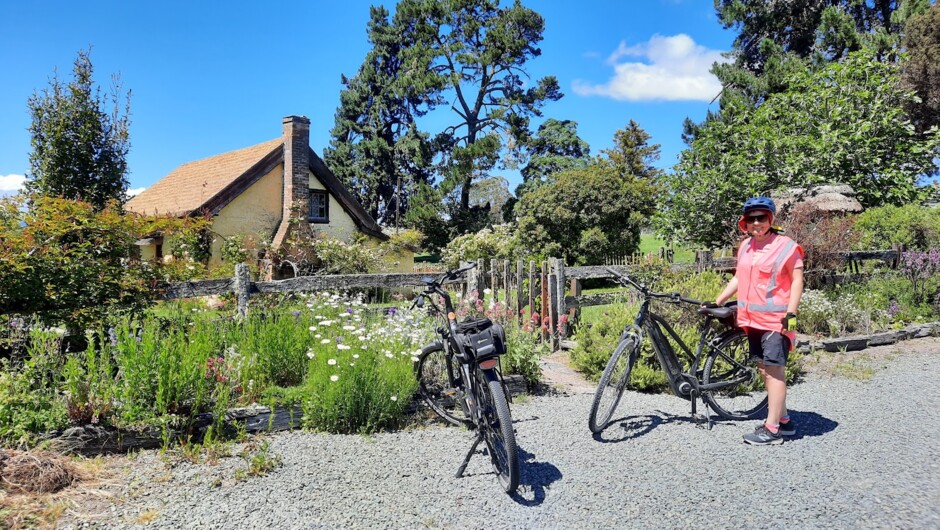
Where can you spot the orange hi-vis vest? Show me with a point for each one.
(764, 282)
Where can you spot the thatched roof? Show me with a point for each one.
(835, 198)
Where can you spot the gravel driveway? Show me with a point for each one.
(866, 456)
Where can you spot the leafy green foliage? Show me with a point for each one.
(555, 147)
(72, 263)
(911, 225)
(585, 215)
(772, 34)
(921, 69)
(498, 242)
(844, 123)
(29, 402)
(79, 149)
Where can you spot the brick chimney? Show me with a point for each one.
(296, 133)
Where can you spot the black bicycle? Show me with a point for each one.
(728, 382)
(460, 379)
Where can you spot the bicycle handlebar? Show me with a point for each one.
(674, 297)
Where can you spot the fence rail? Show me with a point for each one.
(552, 289)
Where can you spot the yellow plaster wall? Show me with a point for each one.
(256, 211)
(341, 225)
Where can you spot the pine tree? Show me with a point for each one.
(79, 149)
(376, 149)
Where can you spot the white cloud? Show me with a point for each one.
(675, 69)
(12, 183)
(135, 191)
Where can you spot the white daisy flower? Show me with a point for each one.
(325, 341)
(331, 362)
(334, 378)
(342, 347)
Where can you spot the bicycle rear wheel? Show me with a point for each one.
(437, 375)
(498, 431)
(612, 384)
(741, 394)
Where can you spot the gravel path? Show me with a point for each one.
(867, 456)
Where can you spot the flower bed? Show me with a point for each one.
(346, 366)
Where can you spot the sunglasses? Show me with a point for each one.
(756, 218)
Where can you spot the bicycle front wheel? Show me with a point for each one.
(498, 431)
(612, 384)
(438, 384)
(739, 392)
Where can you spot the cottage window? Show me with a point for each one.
(319, 206)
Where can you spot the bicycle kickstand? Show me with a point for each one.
(472, 450)
(707, 417)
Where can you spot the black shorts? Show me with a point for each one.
(768, 347)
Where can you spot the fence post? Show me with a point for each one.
(553, 307)
(531, 288)
(494, 284)
(561, 326)
(573, 313)
(507, 281)
(543, 307)
(242, 288)
(519, 284)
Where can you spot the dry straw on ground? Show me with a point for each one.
(35, 472)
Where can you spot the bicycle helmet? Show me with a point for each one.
(764, 204)
(760, 203)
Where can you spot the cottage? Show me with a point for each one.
(252, 191)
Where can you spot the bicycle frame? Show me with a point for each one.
(453, 348)
(685, 384)
(682, 383)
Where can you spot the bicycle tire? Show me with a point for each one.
(612, 384)
(729, 361)
(498, 433)
(435, 388)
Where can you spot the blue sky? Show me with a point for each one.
(210, 77)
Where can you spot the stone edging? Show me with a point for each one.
(914, 331)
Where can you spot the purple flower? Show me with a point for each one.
(112, 336)
(391, 311)
(349, 310)
(296, 313)
(894, 308)
(339, 340)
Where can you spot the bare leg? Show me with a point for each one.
(776, 391)
(776, 383)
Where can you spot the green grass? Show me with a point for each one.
(650, 244)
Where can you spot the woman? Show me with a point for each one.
(769, 283)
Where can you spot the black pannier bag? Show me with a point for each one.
(482, 337)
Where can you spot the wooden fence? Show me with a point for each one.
(548, 288)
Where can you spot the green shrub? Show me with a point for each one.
(524, 350)
(29, 401)
(915, 227)
(499, 242)
(357, 390)
(69, 263)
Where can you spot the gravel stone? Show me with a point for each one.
(865, 456)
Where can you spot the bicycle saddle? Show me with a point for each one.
(718, 312)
